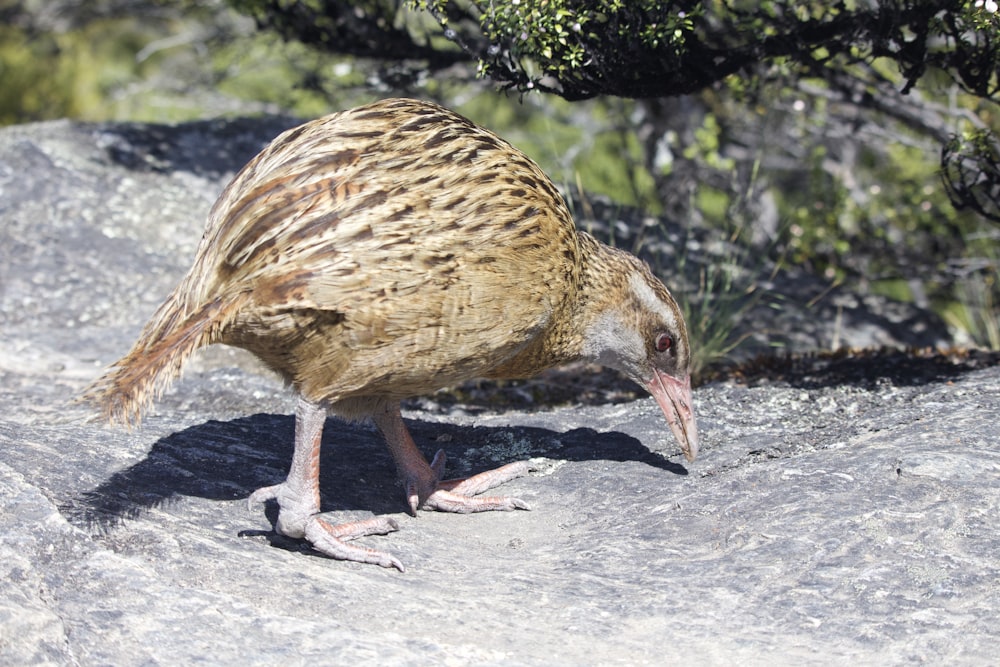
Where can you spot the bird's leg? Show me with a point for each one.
(298, 499)
(422, 482)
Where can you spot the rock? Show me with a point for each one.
(833, 516)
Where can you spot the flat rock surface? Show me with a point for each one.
(831, 517)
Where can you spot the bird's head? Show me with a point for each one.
(639, 330)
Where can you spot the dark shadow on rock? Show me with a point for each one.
(210, 148)
(867, 369)
(230, 460)
(578, 383)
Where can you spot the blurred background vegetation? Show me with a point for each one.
(794, 137)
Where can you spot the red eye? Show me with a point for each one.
(664, 342)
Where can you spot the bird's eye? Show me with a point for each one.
(664, 342)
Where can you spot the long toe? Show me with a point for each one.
(262, 495)
(476, 484)
(449, 501)
(329, 539)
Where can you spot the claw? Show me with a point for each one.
(437, 465)
(412, 496)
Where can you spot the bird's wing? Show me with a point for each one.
(432, 239)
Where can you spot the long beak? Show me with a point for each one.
(674, 398)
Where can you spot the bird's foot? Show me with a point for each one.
(329, 539)
(457, 495)
(297, 517)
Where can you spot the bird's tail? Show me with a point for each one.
(127, 389)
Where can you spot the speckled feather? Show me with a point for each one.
(384, 252)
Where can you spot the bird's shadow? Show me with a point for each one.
(229, 460)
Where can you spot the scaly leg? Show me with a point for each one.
(423, 484)
(298, 499)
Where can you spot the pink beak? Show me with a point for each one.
(674, 398)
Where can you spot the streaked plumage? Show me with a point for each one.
(388, 251)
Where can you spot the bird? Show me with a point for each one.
(387, 251)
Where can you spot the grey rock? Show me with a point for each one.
(825, 522)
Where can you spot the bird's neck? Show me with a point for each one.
(604, 275)
(594, 290)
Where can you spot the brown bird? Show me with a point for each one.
(388, 251)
